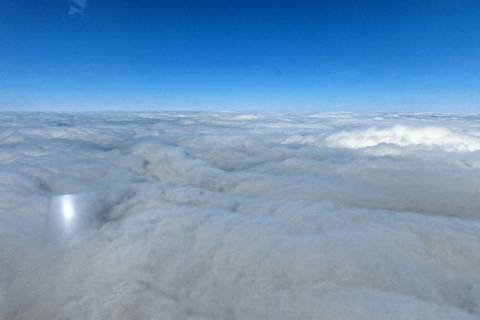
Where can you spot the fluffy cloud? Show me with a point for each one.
(239, 216)
(404, 136)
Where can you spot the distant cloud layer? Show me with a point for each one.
(239, 216)
(405, 136)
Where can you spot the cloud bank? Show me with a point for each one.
(240, 216)
(405, 136)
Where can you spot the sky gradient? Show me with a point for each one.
(240, 55)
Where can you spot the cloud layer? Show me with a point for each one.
(406, 136)
(240, 216)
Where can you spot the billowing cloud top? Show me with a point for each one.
(239, 216)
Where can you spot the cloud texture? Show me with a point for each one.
(241, 216)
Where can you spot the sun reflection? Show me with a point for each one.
(70, 215)
(68, 210)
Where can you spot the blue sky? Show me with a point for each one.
(240, 55)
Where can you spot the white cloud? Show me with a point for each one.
(404, 136)
(224, 215)
(77, 7)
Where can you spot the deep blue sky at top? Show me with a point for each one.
(240, 55)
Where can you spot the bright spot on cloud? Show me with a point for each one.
(67, 208)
